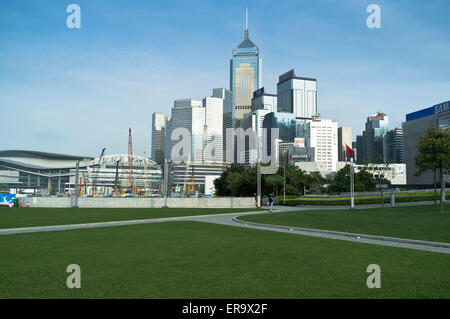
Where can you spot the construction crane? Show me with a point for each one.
(154, 187)
(79, 187)
(93, 171)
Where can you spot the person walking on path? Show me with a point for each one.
(271, 202)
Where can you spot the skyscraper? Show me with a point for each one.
(372, 139)
(245, 76)
(264, 101)
(159, 121)
(213, 138)
(190, 115)
(393, 145)
(254, 120)
(297, 95)
(322, 136)
(227, 117)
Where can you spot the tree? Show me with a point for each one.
(276, 181)
(364, 181)
(221, 184)
(240, 181)
(434, 153)
(341, 182)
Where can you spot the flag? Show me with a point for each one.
(349, 151)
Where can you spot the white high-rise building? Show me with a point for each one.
(322, 135)
(190, 114)
(203, 119)
(213, 139)
(255, 120)
(227, 118)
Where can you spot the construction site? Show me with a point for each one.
(114, 175)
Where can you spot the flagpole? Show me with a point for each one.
(352, 184)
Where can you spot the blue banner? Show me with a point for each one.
(435, 109)
(7, 199)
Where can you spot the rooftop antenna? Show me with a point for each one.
(246, 18)
(246, 24)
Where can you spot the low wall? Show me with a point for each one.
(105, 202)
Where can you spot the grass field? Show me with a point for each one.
(27, 217)
(199, 260)
(412, 222)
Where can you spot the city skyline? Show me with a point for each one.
(84, 90)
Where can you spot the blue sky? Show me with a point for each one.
(75, 91)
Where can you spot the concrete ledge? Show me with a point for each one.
(352, 235)
(136, 202)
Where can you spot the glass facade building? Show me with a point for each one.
(372, 139)
(264, 101)
(245, 76)
(39, 172)
(159, 121)
(393, 146)
(284, 122)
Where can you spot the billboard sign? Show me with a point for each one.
(7, 199)
(436, 109)
(300, 142)
(258, 92)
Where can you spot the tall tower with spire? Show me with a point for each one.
(245, 75)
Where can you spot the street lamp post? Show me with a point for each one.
(284, 186)
(166, 181)
(258, 174)
(77, 172)
(352, 184)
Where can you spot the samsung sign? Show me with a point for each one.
(436, 109)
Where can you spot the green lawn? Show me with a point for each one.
(199, 260)
(27, 217)
(412, 222)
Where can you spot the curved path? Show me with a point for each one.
(231, 220)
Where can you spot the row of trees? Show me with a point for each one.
(240, 181)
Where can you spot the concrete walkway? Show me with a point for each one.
(231, 220)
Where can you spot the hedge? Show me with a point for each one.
(358, 201)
